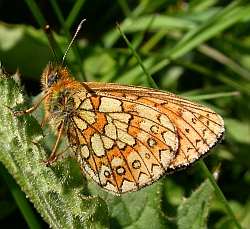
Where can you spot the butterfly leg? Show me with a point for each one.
(16, 113)
(52, 157)
(43, 122)
(61, 153)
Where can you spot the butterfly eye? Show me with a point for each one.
(52, 79)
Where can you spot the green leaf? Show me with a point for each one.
(193, 212)
(238, 130)
(134, 210)
(54, 190)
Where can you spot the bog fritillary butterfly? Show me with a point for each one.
(126, 137)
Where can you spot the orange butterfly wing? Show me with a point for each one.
(127, 137)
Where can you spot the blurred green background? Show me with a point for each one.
(196, 49)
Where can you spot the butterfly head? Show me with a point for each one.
(56, 78)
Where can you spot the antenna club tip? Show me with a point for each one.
(47, 27)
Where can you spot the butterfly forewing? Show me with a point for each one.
(126, 137)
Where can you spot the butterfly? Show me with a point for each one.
(125, 137)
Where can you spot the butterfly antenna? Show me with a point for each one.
(48, 32)
(70, 44)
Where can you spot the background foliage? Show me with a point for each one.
(197, 49)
